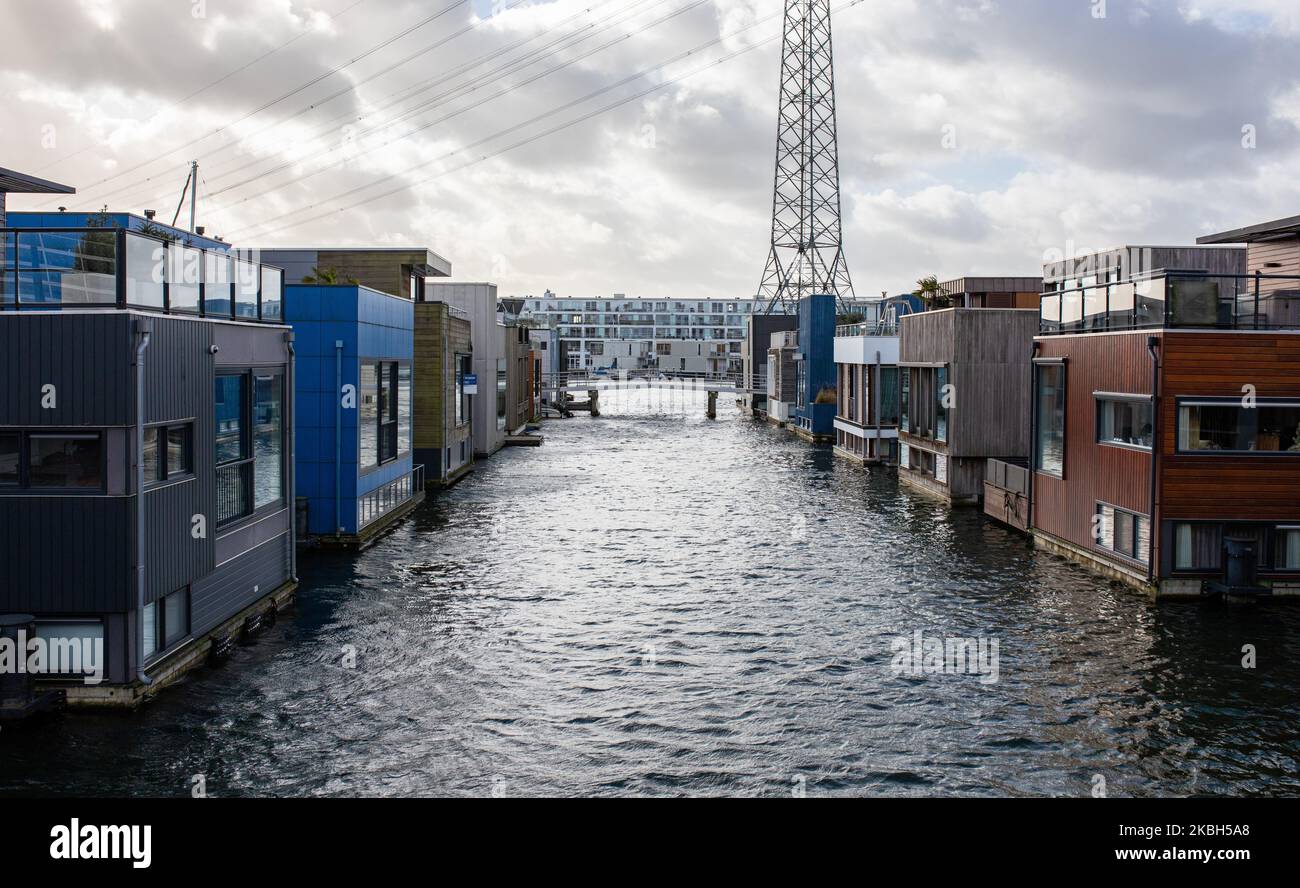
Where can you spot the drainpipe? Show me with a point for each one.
(1153, 343)
(1033, 435)
(291, 396)
(447, 371)
(144, 334)
(338, 437)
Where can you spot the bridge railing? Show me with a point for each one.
(649, 377)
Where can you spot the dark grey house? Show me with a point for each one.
(145, 446)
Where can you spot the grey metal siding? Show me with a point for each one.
(87, 357)
(239, 583)
(66, 555)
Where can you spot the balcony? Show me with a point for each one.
(1175, 299)
(51, 269)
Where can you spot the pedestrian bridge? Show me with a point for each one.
(580, 381)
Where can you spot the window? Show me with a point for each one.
(905, 399)
(10, 457)
(144, 271)
(501, 394)
(234, 466)
(387, 412)
(368, 414)
(1197, 546)
(941, 404)
(1049, 449)
(247, 282)
(272, 294)
(218, 278)
(1231, 427)
(72, 645)
(464, 368)
(65, 461)
(1123, 532)
(1287, 555)
(166, 622)
(1124, 420)
(403, 408)
(184, 272)
(168, 452)
(888, 395)
(268, 440)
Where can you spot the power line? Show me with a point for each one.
(443, 119)
(369, 52)
(581, 119)
(448, 95)
(217, 82)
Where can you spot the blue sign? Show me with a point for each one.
(471, 383)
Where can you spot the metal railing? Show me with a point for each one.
(650, 377)
(383, 499)
(1188, 299)
(866, 328)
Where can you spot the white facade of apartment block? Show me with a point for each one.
(694, 336)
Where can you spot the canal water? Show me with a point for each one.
(656, 604)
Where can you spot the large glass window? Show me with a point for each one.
(1124, 421)
(10, 457)
(247, 282)
(234, 467)
(272, 294)
(387, 412)
(905, 399)
(268, 440)
(1049, 449)
(464, 367)
(1232, 427)
(184, 274)
(145, 262)
(1287, 556)
(403, 408)
(218, 281)
(176, 617)
(66, 269)
(66, 461)
(941, 404)
(368, 414)
(501, 394)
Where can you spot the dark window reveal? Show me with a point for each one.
(66, 461)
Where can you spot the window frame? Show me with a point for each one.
(1194, 401)
(1036, 456)
(167, 476)
(1101, 399)
(248, 376)
(24, 486)
(1138, 557)
(161, 606)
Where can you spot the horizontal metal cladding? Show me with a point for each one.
(1219, 486)
(66, 555)
(1094, 473)
(87, 358)
(239, 583)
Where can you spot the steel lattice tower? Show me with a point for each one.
(807, 242)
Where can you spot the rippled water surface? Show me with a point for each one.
(656, 604)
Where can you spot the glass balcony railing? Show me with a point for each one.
(50, 269)
(877, 328)
(1176, 299)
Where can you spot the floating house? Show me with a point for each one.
(149, 420)
(445, 388)
(964, 390)
(866, 368)
(782, 378)
(815, 395)
(356, 355)
(992, 292)
(1166, 422)
(756, 348)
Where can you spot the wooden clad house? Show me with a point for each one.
(1166, 422)
(964, 386)
(443, 422)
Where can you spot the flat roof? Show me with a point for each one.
(21, 183)
(1251, 233)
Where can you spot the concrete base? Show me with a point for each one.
(858, 459)
(1057, 546)
(176, 665)
(460, 474)
(811, 438)
(374, 531)
(934, 488)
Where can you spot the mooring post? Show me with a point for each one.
(713, 405)
(594, 396)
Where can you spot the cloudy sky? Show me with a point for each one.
(525, 140)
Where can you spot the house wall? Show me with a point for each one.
(1094, 473)
(480, 301)
(439, 338)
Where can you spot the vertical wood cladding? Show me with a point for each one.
(1116, 363)
(1228, 487)
(86, 357)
